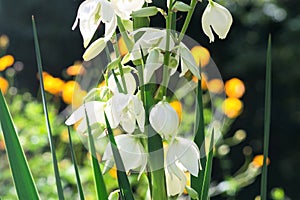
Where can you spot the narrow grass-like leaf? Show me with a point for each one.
(123, 181)
(120, 89)
(267, 121)
(52, 148)
(98, 177)
(78, 181)
(197, 182)
(123, 31)
(22, 177)
(208, 168)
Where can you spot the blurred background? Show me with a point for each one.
(242, 54)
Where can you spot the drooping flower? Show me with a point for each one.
(125, 110)
(90, 14)
(95, 114)
(182, 156)
(131, 150)
(164, 119)
(184, 152)
(218, 18)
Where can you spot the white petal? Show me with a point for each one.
(128, 122)
(140, 113)
(107, 11)
(206, 23)
(222, 20)
(93, 109)
(217, 17)
(164, 119)
(190, 156)
(129, 80)
(124, 8)
(88, 22)
(188, 62)
(152, 64)
(175, 184)
(94, 49)
(110, 28)
(132, 152)
(186, 152)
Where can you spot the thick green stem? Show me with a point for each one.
(162, 91)
(187, 20)
(155, 150)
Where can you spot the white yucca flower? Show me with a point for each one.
(95, 114)
(182, 155)
(131, 150)
(218, 18)
(125, 110)
(90, 14)
(164, 119)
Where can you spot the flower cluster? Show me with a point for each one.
(130, 98)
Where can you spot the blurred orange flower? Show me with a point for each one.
(178, 108)
(258, 161)
(68, 94)
(113, 172)
(122, 47)
(234, 88)
(52, 85)
(201, 55)
(68, 91)
(6, 61)
(3, 85)
(215, 86)
(4, 41)
(232, 107)
(76, 69)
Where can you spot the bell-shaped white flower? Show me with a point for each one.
(90, 14)
(164, 119)
(185, 153)
(95, 114)
(175, 182)
(129, 80)
(125, 110)
(131, 150)
(218, 18)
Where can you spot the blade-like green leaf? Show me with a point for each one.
(24, 183)
(122, 177)
(78, 181)
(52, 148)
(98, 177)
(208, 168)
(267, 121)
(196, 182)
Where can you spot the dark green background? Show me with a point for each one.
(241, 55)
